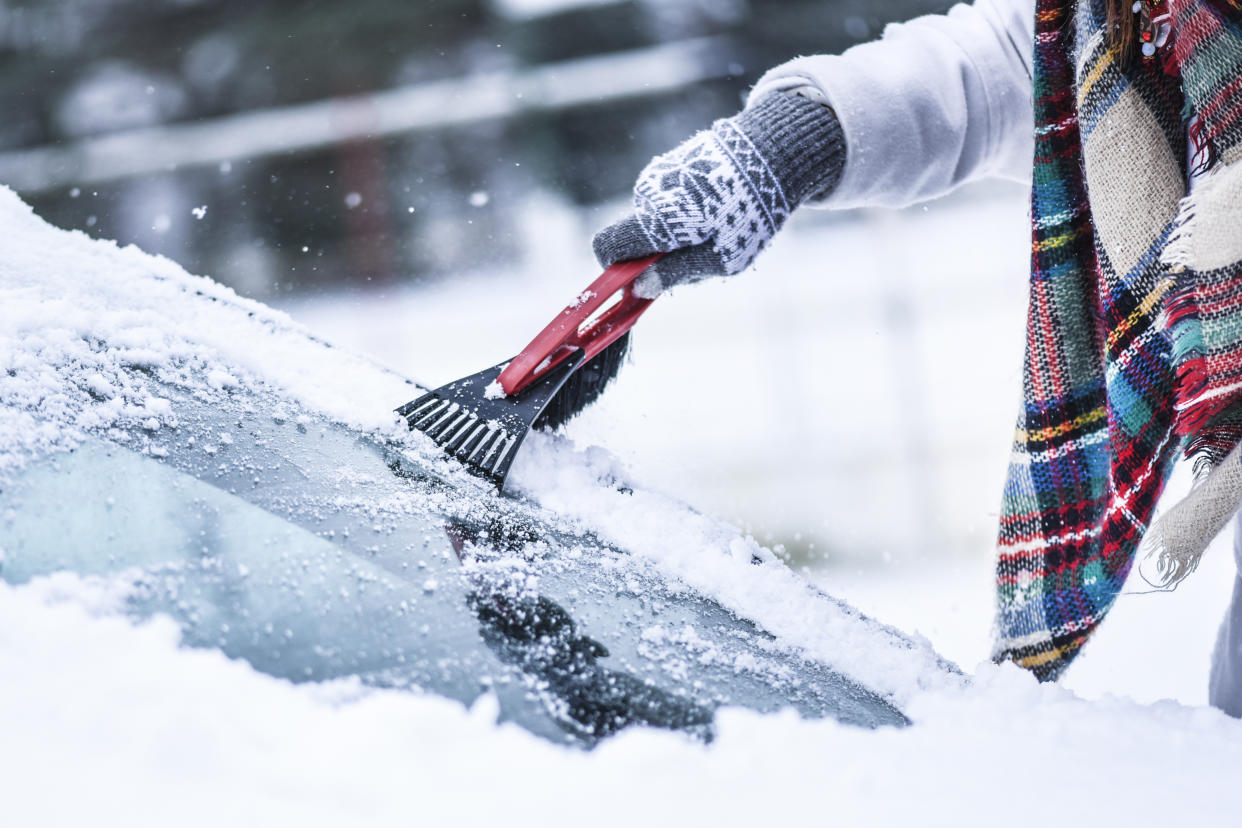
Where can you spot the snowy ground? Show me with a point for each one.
(108, 723)
(112, 725)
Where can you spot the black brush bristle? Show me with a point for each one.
(584, 386)
(484, 431)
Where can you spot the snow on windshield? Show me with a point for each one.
(86, 327)
(88, 334)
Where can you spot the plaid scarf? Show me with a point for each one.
(1134, 331)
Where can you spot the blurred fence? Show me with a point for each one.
(367, 133)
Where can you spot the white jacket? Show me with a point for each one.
(936, 102)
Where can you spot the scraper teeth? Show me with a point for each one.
(448, 425)
(504, 452)
(452, 436)
(497, 453)
(442, 421)
(489, 447)
(426, 413)
(472, 440)
(411, 409)
(481, 444)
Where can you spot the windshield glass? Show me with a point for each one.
(315, 553)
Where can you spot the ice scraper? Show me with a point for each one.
(481, 420)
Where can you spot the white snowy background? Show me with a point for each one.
(109, 723)
(849, 403)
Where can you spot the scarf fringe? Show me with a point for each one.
(1198, 398)
(1176, 541)
(1178, 254)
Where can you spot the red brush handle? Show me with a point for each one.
(582, 325)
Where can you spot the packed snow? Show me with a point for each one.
(108, 722)
(73, 360)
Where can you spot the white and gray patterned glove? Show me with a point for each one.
(713, 203)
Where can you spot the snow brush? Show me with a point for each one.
(481, 420)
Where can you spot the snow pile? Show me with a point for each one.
(712, 557)
(110, 724)
(83, 324)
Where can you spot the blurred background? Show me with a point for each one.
(370, 131)
(421, 180)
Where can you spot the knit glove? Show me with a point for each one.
(714, 202)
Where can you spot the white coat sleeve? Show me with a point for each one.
(936, 102)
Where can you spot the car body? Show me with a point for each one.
(147, 453)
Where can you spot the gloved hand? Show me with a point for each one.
(715, 201)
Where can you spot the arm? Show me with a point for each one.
(936, 102)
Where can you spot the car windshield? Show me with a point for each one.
(314, 552)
